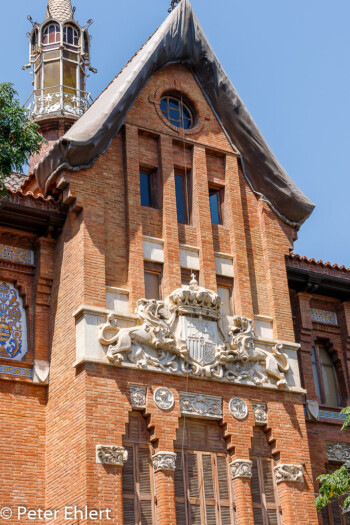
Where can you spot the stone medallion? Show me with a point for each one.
(163, 398)
(238, 408)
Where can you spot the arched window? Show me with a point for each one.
(70, 35)
(325, 376)
(263, 485)
(138, 485)
(203, 490)
(177, 112)
(51, 34)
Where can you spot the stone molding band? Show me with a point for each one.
(164, 461)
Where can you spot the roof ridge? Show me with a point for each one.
(320, 262)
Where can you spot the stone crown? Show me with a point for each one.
(194, 299)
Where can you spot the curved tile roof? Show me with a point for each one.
(301, 258)
(61, 10)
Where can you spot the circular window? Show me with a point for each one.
(176, 112)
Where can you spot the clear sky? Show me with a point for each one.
(289, 61)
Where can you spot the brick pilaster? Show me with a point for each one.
(243, 501)
(202, 219)
(172, 270)
(136, 282)
(165, 492)
(235, 220)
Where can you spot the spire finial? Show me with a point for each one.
(60, 10)
(173, 4)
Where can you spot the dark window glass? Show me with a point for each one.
(181, 198)
(70, 35)
(216, 201)
(325, 376)
(51, 34)
(145, 189)
(177, 112)
(152, 285)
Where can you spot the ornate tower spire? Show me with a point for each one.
(59, 52)
(61, 10)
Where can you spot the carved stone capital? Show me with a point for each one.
(199, 405)
(238, 408)
(111, 455)
(164, 461)
(260, 413)
(338, 452)
(241, 468)
(293, 473)
(164, 398)
(138, 396)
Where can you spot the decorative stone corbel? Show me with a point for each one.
(41, 372)
(260, 413)
(111, 455)
(164, 461)
(138, 396)
(292, 473)
(241, 468)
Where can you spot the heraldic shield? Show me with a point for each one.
(201, 336)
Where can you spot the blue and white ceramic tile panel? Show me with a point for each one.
(324, 316)
(13, 324)
(331, 415)
(18, 255)
(14, 371)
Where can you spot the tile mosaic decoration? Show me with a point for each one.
(13, 326)
(13, 371)
(18, 255)
(324, 316)
(331, 415)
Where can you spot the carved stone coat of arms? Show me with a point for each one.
(185, 335)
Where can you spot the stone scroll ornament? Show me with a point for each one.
(339, 452)
(293, 473)
(186, 335)
(111, 455)
(164, 461)
(241, 468)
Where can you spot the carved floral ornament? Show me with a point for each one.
(200, 405)
(111, 455)
(238, 408)
(292, 473)
(241, 468)
(338, 452)
(138, 396)
(260, 413)
(164, 398)
(164, 461)
(186, 335)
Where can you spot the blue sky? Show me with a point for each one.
(289, 61)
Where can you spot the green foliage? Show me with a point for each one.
(19, 136)
(335, 485)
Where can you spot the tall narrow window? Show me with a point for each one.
(216, 199)
(225, 290)
(182, 197)
(263, 486)
(325, 376)
(153, 280)
(203, 491)
(148, 189)
(138, 484)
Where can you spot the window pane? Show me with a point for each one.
(180, 202)
(152, 285)
(145, 189)
(325, 358)
(316, 380)
(214, 199)
(225, 295)
(69, 75)
(330, 387)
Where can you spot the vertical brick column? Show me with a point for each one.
(172, 269)
(235, 219)
(202, 219)
(243, 501)
(165, 492)
(136, 282)
(306, 340)
(275, 248)
(43, 285)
